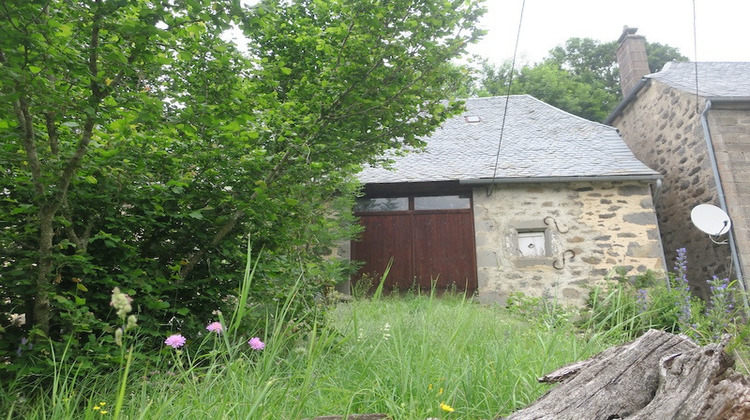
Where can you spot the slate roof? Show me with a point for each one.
(539, 143)
(714, 78)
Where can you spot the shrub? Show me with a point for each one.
(544, 309)
(627, 307)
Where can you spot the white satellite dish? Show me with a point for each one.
(710, 219)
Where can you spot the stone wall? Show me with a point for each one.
(730, 134)
(662, 127)
(590, 228)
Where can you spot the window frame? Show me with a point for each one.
(424, 191)
(531, 226)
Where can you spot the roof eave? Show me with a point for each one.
(729, 102)
(550, 179)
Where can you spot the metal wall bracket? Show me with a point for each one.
(561, 261)
(556, 225)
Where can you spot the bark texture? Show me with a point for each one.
(658, 376)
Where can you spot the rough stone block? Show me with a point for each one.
(641, 218)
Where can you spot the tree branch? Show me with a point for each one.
(26, 124)
(225, 230)
(88, 127)
(52, 134)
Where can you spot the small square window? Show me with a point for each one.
(532, 244)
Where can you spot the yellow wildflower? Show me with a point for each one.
(429, 387)
(446, 407)
(441, 391)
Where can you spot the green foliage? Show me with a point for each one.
(403, 356)
(544, 309)
(581, 77)
(661, 54)
(623, 308)
(139, 149)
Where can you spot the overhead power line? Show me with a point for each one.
(507, 96)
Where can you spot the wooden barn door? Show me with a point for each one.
(444, 250)
(385, 236)
(427, 243)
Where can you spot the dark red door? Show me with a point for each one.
(444, 250)
(386, 236)
(426, 246)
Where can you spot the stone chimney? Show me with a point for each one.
(631, 59)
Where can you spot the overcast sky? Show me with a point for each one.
(721, 26)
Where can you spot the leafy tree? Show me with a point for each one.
(589, 61)
(551, 84)
(661, 54)
(138, 147)
(580, 77)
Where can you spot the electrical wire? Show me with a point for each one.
(695, 58)
(507, 97)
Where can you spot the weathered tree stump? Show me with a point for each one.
(658, 376)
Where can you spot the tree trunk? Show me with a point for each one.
(42, 313)
(658, 376)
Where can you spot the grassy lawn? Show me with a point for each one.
(402, 356)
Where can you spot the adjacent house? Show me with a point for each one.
(510, 197)
(691, 122)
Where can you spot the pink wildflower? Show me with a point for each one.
(256, 344)
(215, 327)
(175, 340)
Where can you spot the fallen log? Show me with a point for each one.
(658, 376)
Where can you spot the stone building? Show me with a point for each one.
(695, 130)
(524, 198)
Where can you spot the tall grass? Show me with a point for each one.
(409, 356)
(413, 353)
(403, 356)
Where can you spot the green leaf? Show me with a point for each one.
(233, 126)
(22, 208)
(81, 287)
(91, 179)
(65, 30)
(35, 69)
(195, 29)
(196, 215)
